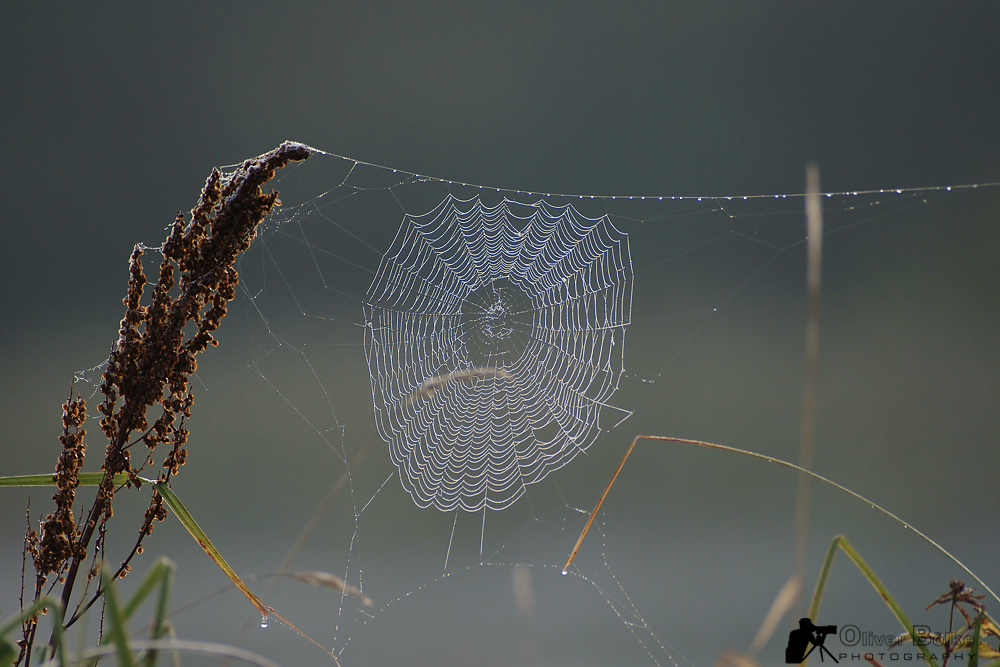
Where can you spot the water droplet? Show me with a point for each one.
(565, 572)
(263, 620)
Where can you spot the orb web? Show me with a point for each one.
(716, 279)
(535, 290)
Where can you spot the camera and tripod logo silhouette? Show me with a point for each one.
(799, 640)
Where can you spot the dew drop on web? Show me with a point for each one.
(263, 620)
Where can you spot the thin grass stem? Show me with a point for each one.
(814, 253)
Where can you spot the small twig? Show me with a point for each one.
(24, 558)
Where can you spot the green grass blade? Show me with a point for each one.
(117, 632)
(58, 637)
(884, 593)
(149, 582)
(175, 504)
(57, 631)
(162, 602)
(976, 633)
(824, 573)
(49, 479)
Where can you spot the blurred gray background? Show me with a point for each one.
(113, 117)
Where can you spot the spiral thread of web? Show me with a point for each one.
(545, 297)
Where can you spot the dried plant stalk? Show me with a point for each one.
(151, 365)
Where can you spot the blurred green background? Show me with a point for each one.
(113, 117)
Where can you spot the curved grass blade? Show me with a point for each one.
(181, 512)
(175, 504)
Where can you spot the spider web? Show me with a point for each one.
(545, 297)
(452, 500)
